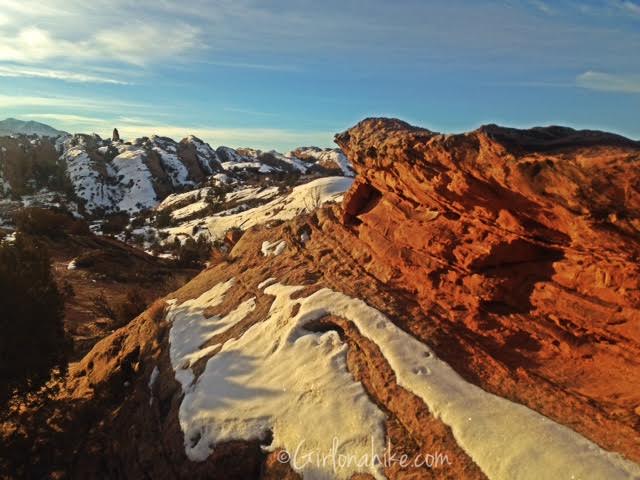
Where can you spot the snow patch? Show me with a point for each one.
(136, 181)
(302, 198)
(155, 373)
(505, 439)
(176, 170)
(273, 248)
(281, 378)
(87, 182)
(191, 329)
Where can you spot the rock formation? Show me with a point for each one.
(511, 254)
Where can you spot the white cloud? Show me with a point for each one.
(144, 43)
(608, 82)
(631, 7)
(76, 103)
(97, 33)
(246, 111)
(255, 66)
(133, 44)
(65, 118)
(542, 6)
(33, 44)
(19, 71)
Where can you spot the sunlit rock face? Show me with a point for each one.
(474, 296)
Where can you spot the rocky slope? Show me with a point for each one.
(192, 184)
(99, 176)
(473, 304)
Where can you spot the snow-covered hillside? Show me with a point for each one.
(329, 158)
(108, 176)
(166, 190)
(303, 198)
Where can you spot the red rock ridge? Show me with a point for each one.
(523, 246)
(513, 254)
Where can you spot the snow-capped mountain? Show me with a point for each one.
(12, 126)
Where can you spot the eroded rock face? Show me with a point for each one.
(511, 254)
(523, 246)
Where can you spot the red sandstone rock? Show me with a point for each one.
(513, 254)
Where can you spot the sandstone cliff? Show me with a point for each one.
(501, 259)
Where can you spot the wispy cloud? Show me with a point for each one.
(130, 44)
(608, 82)
(67, 102)
(246, 111)
(543, 7)
(15, 71)
(140, 44)
(629, 7)
(255, 66)
(65, 118)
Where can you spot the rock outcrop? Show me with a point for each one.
(511, 255)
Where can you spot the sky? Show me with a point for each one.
(285, 73)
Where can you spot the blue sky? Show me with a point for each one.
(278, 74)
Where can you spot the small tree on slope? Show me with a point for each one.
(32, 338)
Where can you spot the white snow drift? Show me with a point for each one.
(303, 198)
(282, 378)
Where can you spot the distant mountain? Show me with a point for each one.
(13, 126)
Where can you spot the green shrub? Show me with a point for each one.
(115, 223)
(49, 223)
(128, 309)
(193, 253)
(33, 341)
(163, 219)
(120, 311)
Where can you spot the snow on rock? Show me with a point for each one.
(88, 182)
(135, 180)
(189, 210)
(502, 437)
(179, 198)
(302, 198)
(281, 378)
(155, 373)
(167, 151)
(226, 154)
(290, 160)
(10, 238)
(153, 377)
(191, 329)
(221, 178)
(206, 155)
(273, 248)
(251, 193)
(231, 166)
(328, 156)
